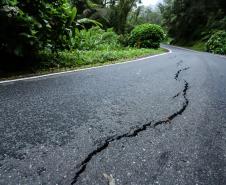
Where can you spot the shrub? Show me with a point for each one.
(124, 39)
(217, 43)
(97, 39)
(146, 36)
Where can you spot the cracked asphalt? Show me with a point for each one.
(159, 121)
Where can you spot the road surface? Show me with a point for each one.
(160, 121)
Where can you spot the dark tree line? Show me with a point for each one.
(111, 13)
(188, 20)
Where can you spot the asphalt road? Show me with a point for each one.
(156, 121)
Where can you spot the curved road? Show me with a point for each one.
(159, 120)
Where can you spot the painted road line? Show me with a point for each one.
(84, 69)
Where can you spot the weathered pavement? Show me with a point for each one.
(157, 121)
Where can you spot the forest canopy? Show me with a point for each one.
(188, 21)
(33, 31)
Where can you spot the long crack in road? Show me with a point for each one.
(133, 133)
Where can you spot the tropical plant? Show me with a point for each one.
(96, 38)
(112, 14)
(56, 19)
(217, 43)
(27, 26)
(30, 26)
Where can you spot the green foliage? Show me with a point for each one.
(188, 20)
(198, 45)
(8, 2)
(112, 14)
(27, 26)
(217, 43)
(74, 59)
(17, 32)
(95, 57)
(143, 14)
(30, 28)
(124, 39)
(55, 21)
(97, 39)
(146, 36)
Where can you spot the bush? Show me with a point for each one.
(124, 39)
(217, 43)
(146, 36)
(97, 39)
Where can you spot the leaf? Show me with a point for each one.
(45, 21)
(18, 51)
(73, 14)
(26, 35)
(86, 20)
(48, 26)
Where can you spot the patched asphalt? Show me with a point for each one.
(156, 121)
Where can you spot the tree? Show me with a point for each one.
(188, 20)
(111, 13)
(144, 14)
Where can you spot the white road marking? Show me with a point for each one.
(76, 70)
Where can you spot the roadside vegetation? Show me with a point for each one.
(199, 25)
(42, 35)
